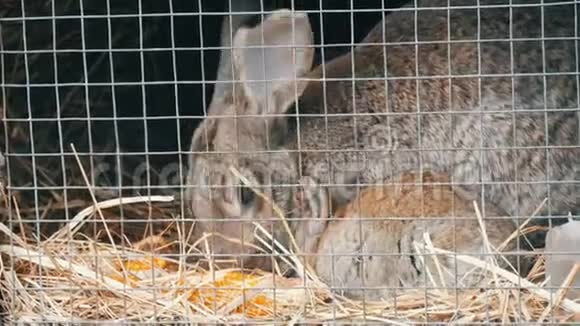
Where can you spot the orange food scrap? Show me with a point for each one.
(136, 266)
(132, 279)
(259, 306)
(216, 294)
(139, 265)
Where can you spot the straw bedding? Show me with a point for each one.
(73, 277)
(97, 268)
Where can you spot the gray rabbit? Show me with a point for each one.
(375, 241)
(501, 118)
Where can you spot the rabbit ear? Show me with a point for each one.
(237, 16)
(270, 57)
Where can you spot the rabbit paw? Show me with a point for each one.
(312, 209)
(312, 199)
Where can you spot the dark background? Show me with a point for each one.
(86, 111)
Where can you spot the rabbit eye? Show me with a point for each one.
(247, 196)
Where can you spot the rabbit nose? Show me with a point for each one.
(229, 194)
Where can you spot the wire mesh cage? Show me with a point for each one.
(275, 162)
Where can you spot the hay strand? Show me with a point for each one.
(127, 283)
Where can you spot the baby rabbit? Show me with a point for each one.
(369, 243)
(485, 113)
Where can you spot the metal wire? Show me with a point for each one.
(47, 181)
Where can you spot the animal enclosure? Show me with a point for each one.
(290, 161)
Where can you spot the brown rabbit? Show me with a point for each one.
(500, 116)
(369, 243)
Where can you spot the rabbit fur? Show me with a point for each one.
(240, 17)
(466, 115)
(370, 242)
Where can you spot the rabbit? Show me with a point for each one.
(446, 107)
(369, 242)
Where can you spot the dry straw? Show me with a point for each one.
(74, 278)
(71, 277)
